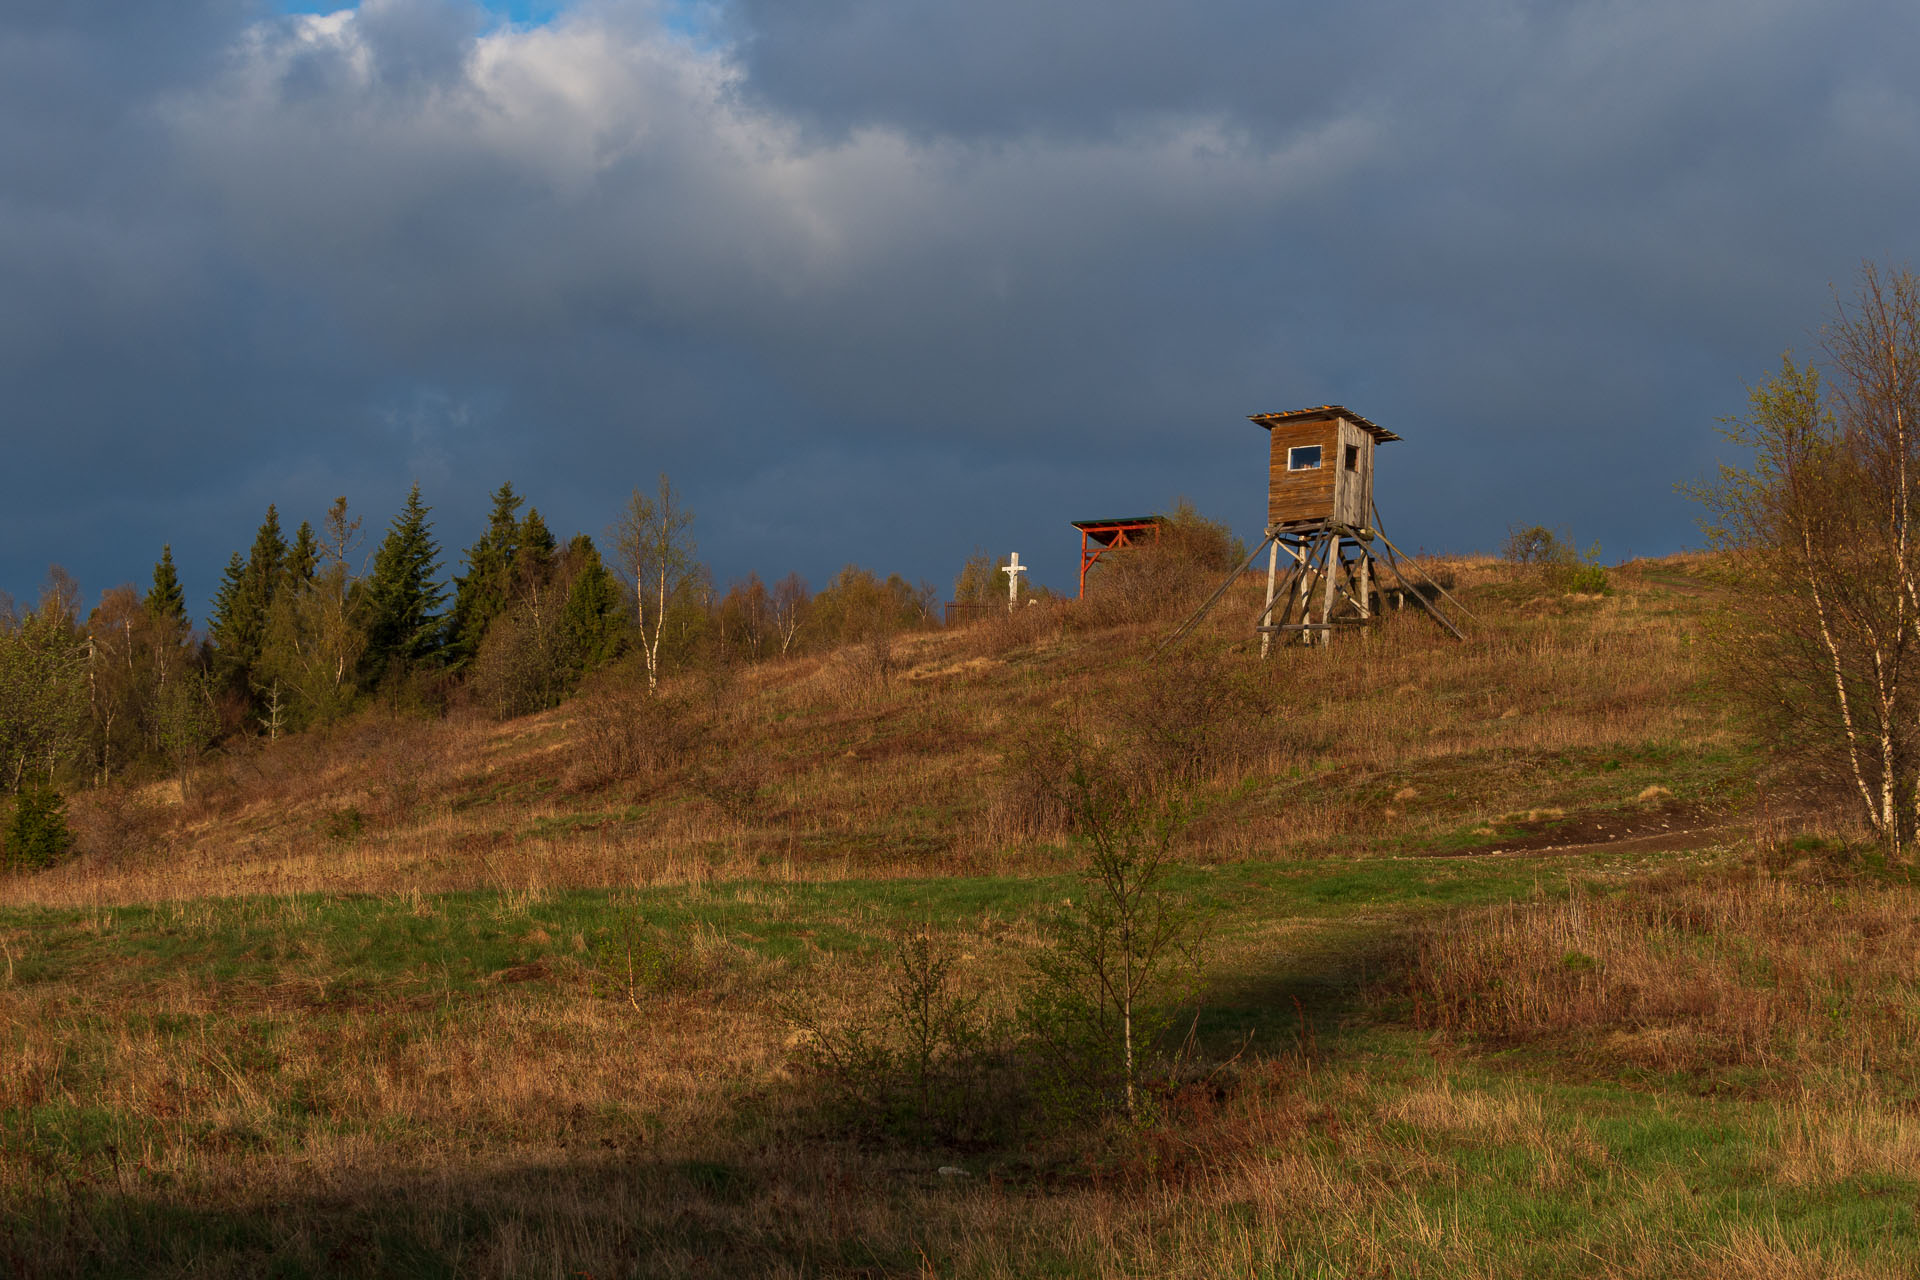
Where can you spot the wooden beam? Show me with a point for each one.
(1213, 599)
(1421, 600)
(1393, 552)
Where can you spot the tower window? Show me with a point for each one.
(1303, 457)
(1353, 457)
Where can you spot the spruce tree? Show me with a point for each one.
(592, 621)
(483, 592)
(38, 835)
(534, 564)
(239, 628)
(166, 603)
(267, 562)
(226, 626)
(304, 558)
(403, 593)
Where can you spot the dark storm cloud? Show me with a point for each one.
(881, 281)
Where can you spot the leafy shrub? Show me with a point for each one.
(38, 835)
(1560, 564)
(919, 1062)
(344, 826)
(638, 959)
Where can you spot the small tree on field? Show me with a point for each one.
(37, 836)
(788, 607)
(1821, 529)
(1124, 954)
(656, 548)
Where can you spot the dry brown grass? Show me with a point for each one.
(857, 775)
(1742, 968)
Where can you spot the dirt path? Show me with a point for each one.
(1670, 827)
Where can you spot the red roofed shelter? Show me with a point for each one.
(1097, 537)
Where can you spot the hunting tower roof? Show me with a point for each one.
(1271, 420)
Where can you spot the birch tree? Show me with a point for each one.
(1823, 638)
(656, 548)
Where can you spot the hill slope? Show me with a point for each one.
(1494, 986)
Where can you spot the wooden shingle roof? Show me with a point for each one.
(1271, 420)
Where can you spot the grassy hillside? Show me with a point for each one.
(1513, 971)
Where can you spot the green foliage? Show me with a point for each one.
(484, 591)
(745, 621)
(185, 722)
(304, 558)
(1817, 532)
(402, 594)
(537, 547)
(166, 602)
(638, 959)
(1122, 955)
(237, 630)
(344, 826)
(225, 625)
(918, 1063)
(858, 605)
(565, 623)
(43, 694)
(591, 621)
(315, 641)
(1561, 565)
(980, 581)
(37, 835)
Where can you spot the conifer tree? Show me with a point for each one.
(38, 835)
(534, 563)
(304, 558)
(267, 562)
(403, 593)
(166, 603)
(483, 592)
(591, 622)
(226, 627)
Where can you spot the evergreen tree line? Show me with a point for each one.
(304, 630)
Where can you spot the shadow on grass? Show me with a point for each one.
(1314, 999)
(600, 1217)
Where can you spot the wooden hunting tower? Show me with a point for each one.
(1321, 515)
(1321, 468)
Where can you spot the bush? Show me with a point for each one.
(918, 1064)
(1166, 579)
(1188, 718)
(1559, 563)
(38, 835)
(114, 823)
(626, 732)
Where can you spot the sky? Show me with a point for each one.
(886, 281)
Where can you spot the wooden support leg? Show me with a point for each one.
(1366, 588)
(1326, 603)
(1305, 601)
(1273, 568)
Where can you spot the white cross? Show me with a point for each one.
(1014, 570)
